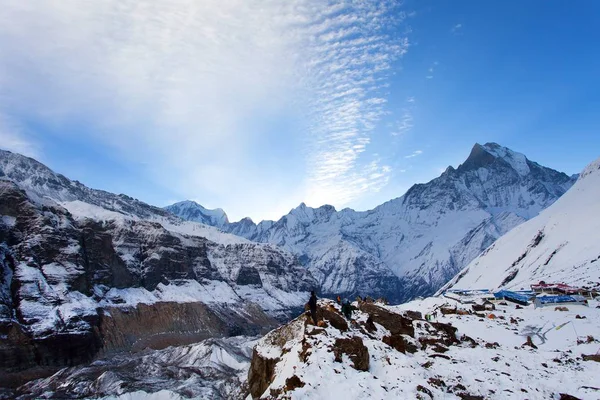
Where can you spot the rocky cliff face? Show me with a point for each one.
(412, 245)
(78, 279)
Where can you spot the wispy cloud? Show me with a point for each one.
(457, 28)
(349, 103)
(431, 70)
(405, 123)
(12, 138)
(414, 154)
(197, 85)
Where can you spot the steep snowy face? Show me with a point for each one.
(412, 245)
(559, 245)
(192, 211)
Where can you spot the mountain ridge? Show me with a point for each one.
(436, 227)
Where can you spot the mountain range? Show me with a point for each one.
(412, 245)
(85, 273)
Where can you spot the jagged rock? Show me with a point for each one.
(334, 318)
(370, 325)
(261, 374)
(355, 349)
(446, 332)
(292, 383)
(437, 382)
(395, 323)
(468, 396)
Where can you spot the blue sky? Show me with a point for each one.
(255, 106)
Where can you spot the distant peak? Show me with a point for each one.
(189, 208)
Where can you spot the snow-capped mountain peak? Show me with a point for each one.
(559, 245)
(192, 211)
(484, 155)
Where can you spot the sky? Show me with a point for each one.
(255, 106)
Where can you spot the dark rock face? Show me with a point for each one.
(355, 349)
(248, 276)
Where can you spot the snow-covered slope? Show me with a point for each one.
(412, 245)
(559, 245)
(394, 353)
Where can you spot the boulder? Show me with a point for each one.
(395, 323)
(355, 349)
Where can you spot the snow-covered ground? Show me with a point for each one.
(498, 366)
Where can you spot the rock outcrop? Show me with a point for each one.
(332, 343)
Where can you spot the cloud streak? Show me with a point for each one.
(414, 154)
(199, 86)
(13, 139)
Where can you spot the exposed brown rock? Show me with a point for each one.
(397, 342)
(437, 382)
(395, 323)
(413, 314)
(447, 332)
(261, 374)
(529, 343)
(369, 325)
(292, 383)
(468, 396)
(355, 350)
(591, 357)
(330, 315)
(439, 356)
